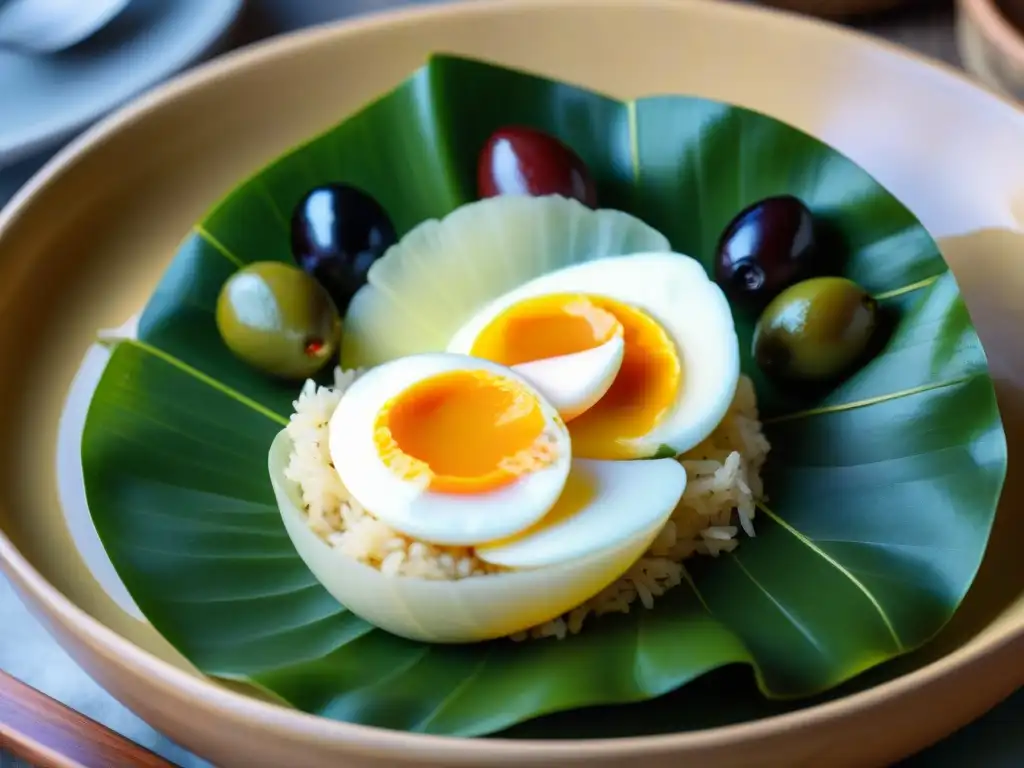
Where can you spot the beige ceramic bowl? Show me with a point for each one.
(991, 43)
(82, 246)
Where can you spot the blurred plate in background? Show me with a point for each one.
(47, 98)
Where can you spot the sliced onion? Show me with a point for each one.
(467, 610)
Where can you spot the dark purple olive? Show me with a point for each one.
(338, 231)
(770, 245)
(522, 161)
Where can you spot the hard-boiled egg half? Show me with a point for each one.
(455, 450)
(423, 441)
(638, 353)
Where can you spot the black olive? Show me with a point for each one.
(768, 246)
(338, 231)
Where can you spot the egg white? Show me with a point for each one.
(676, 292)
(575, 382)
(431, 516)
(599, 508)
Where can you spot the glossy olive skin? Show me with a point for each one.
(816, 330)
(522, 161)
(337, 232)
(278, 319)
(767, 247)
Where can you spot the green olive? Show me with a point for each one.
(815, 330)
(278, 319)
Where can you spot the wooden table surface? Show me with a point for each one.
(27, 652)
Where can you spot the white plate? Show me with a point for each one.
(44, 99)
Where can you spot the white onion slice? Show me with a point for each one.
(468, 610)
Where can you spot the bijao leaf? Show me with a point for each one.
(881, 492)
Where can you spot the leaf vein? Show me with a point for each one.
(841, 568)
(236, 557)
(397, 671)
(693, 585)
(209, 380)
(909, 288)
(175, 429)
(264, 190)
(218, 245)
(241, 480)
(207, 525)
(827, 409)
(262, 595)
(454, 693)
(878, 575)
(890, 545)
(797, 625)
(277, 631)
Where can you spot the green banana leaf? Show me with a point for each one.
(882, 491)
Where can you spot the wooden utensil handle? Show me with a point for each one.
(43, 731)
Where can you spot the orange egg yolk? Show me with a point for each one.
(561, 324)
(464, 432)
(547, 326)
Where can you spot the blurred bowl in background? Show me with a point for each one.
(836, 9)
(990, 38)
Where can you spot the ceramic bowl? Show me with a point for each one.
(82, 246)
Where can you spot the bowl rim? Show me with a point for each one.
(382, 742)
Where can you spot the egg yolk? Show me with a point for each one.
(559, 324)
(547, 326)
(464, 432)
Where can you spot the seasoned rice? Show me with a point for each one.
(724, 481)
